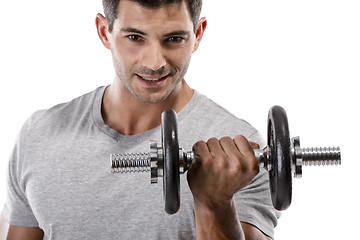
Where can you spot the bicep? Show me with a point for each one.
(11, 232)
(253, 233)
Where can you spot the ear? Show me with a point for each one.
(199, 32)
(102, 29)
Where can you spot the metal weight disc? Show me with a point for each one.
(278, 141)
(171, 179)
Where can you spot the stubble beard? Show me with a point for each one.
(125, 80)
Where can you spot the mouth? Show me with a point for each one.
(152, 81)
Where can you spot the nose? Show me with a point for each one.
(153, 57)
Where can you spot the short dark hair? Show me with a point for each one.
(111, 9)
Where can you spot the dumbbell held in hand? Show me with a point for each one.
(282, 157)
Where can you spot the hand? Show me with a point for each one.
(220, 169)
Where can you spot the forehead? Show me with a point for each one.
(133, 14)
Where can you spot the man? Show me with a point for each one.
(60, 185)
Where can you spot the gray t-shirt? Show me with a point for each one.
(60, 176)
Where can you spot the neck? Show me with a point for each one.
(122, 112)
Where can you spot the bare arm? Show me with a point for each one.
(252, 232)
(217, 222)
(220, 169)
(11, 232)
(224, 224)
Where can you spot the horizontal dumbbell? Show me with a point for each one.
(282, 157)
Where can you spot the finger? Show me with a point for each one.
(246, 149)
(215, 147)
(243, 145)
(201, 149)
(229, 147)
(254, 145)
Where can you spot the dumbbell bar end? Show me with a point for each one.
(318, 156)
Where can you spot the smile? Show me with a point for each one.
(150, 79)
(153, 82)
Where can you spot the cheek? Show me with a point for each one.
(181, 57)
(183, 54)
(126, 55)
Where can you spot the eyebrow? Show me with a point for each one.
(175, 33)
(132, 30)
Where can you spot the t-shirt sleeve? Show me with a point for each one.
(254, 203)
(17, 210)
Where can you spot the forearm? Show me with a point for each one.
(217, 222)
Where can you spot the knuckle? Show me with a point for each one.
(225, 139)
(212, 140)
(248, 165)
(240, 137)
(203, 155)
(219, 164)
(198, 144)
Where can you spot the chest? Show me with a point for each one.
(71, 190)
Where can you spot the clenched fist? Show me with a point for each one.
(221, 168)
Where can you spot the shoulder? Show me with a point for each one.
(63, 115)
(211, 117)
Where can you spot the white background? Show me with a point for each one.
(302, 55)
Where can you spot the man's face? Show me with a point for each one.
(151, 48)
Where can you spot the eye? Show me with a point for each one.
(175, 39)
(135, 38)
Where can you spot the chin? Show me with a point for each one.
(153, 95)
(151, 98)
